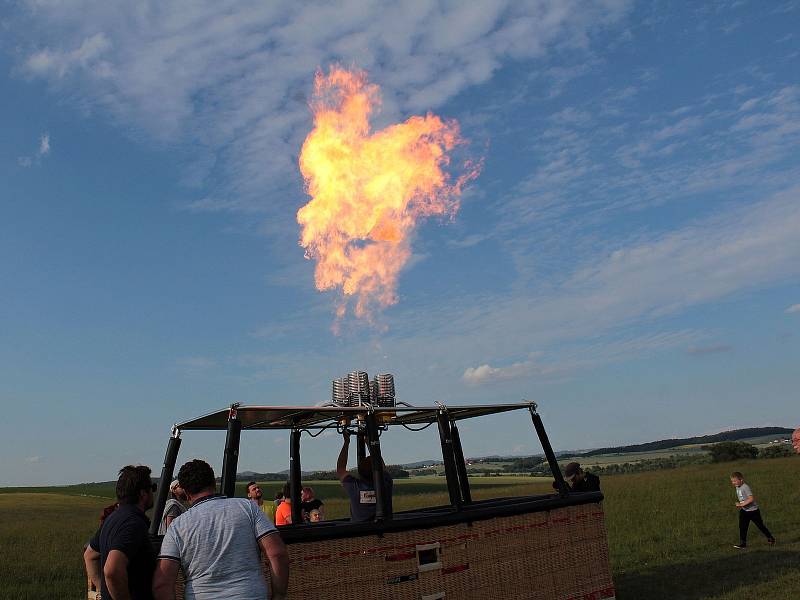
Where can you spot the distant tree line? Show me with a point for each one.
(395, 471)
(652, 464)
(730, 451)
(719, 452)
(725, 436)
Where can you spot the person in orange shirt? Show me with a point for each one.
(283, 514)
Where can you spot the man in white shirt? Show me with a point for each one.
(218, 543)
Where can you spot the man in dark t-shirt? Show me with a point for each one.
(580, 480)
(120, 555)
(361, 489)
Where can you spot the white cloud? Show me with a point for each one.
(468, 241)
(794, 308)
(41, 152)
(487, 374)
(44, 144)
(32, 460)
(680, 128)
(58, 63)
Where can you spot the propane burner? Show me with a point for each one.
(356, 389)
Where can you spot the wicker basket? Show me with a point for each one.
(560, 554)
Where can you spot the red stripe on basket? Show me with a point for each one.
(378, 549)
(561, 520)
(455, 569)
(604, 594)
(401, 556)
(317, 557)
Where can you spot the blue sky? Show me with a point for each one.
(628, 257)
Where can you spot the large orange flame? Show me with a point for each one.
(369, 190)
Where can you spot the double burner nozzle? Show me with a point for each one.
(357, 390)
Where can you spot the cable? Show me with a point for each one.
(419, 429)
(313, 435)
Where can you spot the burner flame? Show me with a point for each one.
(369, 190)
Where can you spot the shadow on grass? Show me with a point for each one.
(706, 579)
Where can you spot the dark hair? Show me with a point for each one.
(278, 495)
(365, 468)
(249, 483)
(287, 490)
(132, 479)
(737, 475)
(196, 476)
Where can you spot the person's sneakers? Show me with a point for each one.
(771, 541)
(740, 546)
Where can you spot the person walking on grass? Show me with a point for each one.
(119, 557)
(218, 543)
(748, 511)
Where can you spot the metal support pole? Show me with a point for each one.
(295, 475)
(230, 459)
(382, 511)
(548, 453)
(461, 466)
(446, 438)
(361, 447)
(167, 470)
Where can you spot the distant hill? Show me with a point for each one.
(725, 436)
(421, 463)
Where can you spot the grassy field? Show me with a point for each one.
(670, 532)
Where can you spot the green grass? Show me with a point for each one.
(42, 538)
(670, 532)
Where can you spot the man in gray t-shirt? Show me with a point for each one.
(218, 543)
